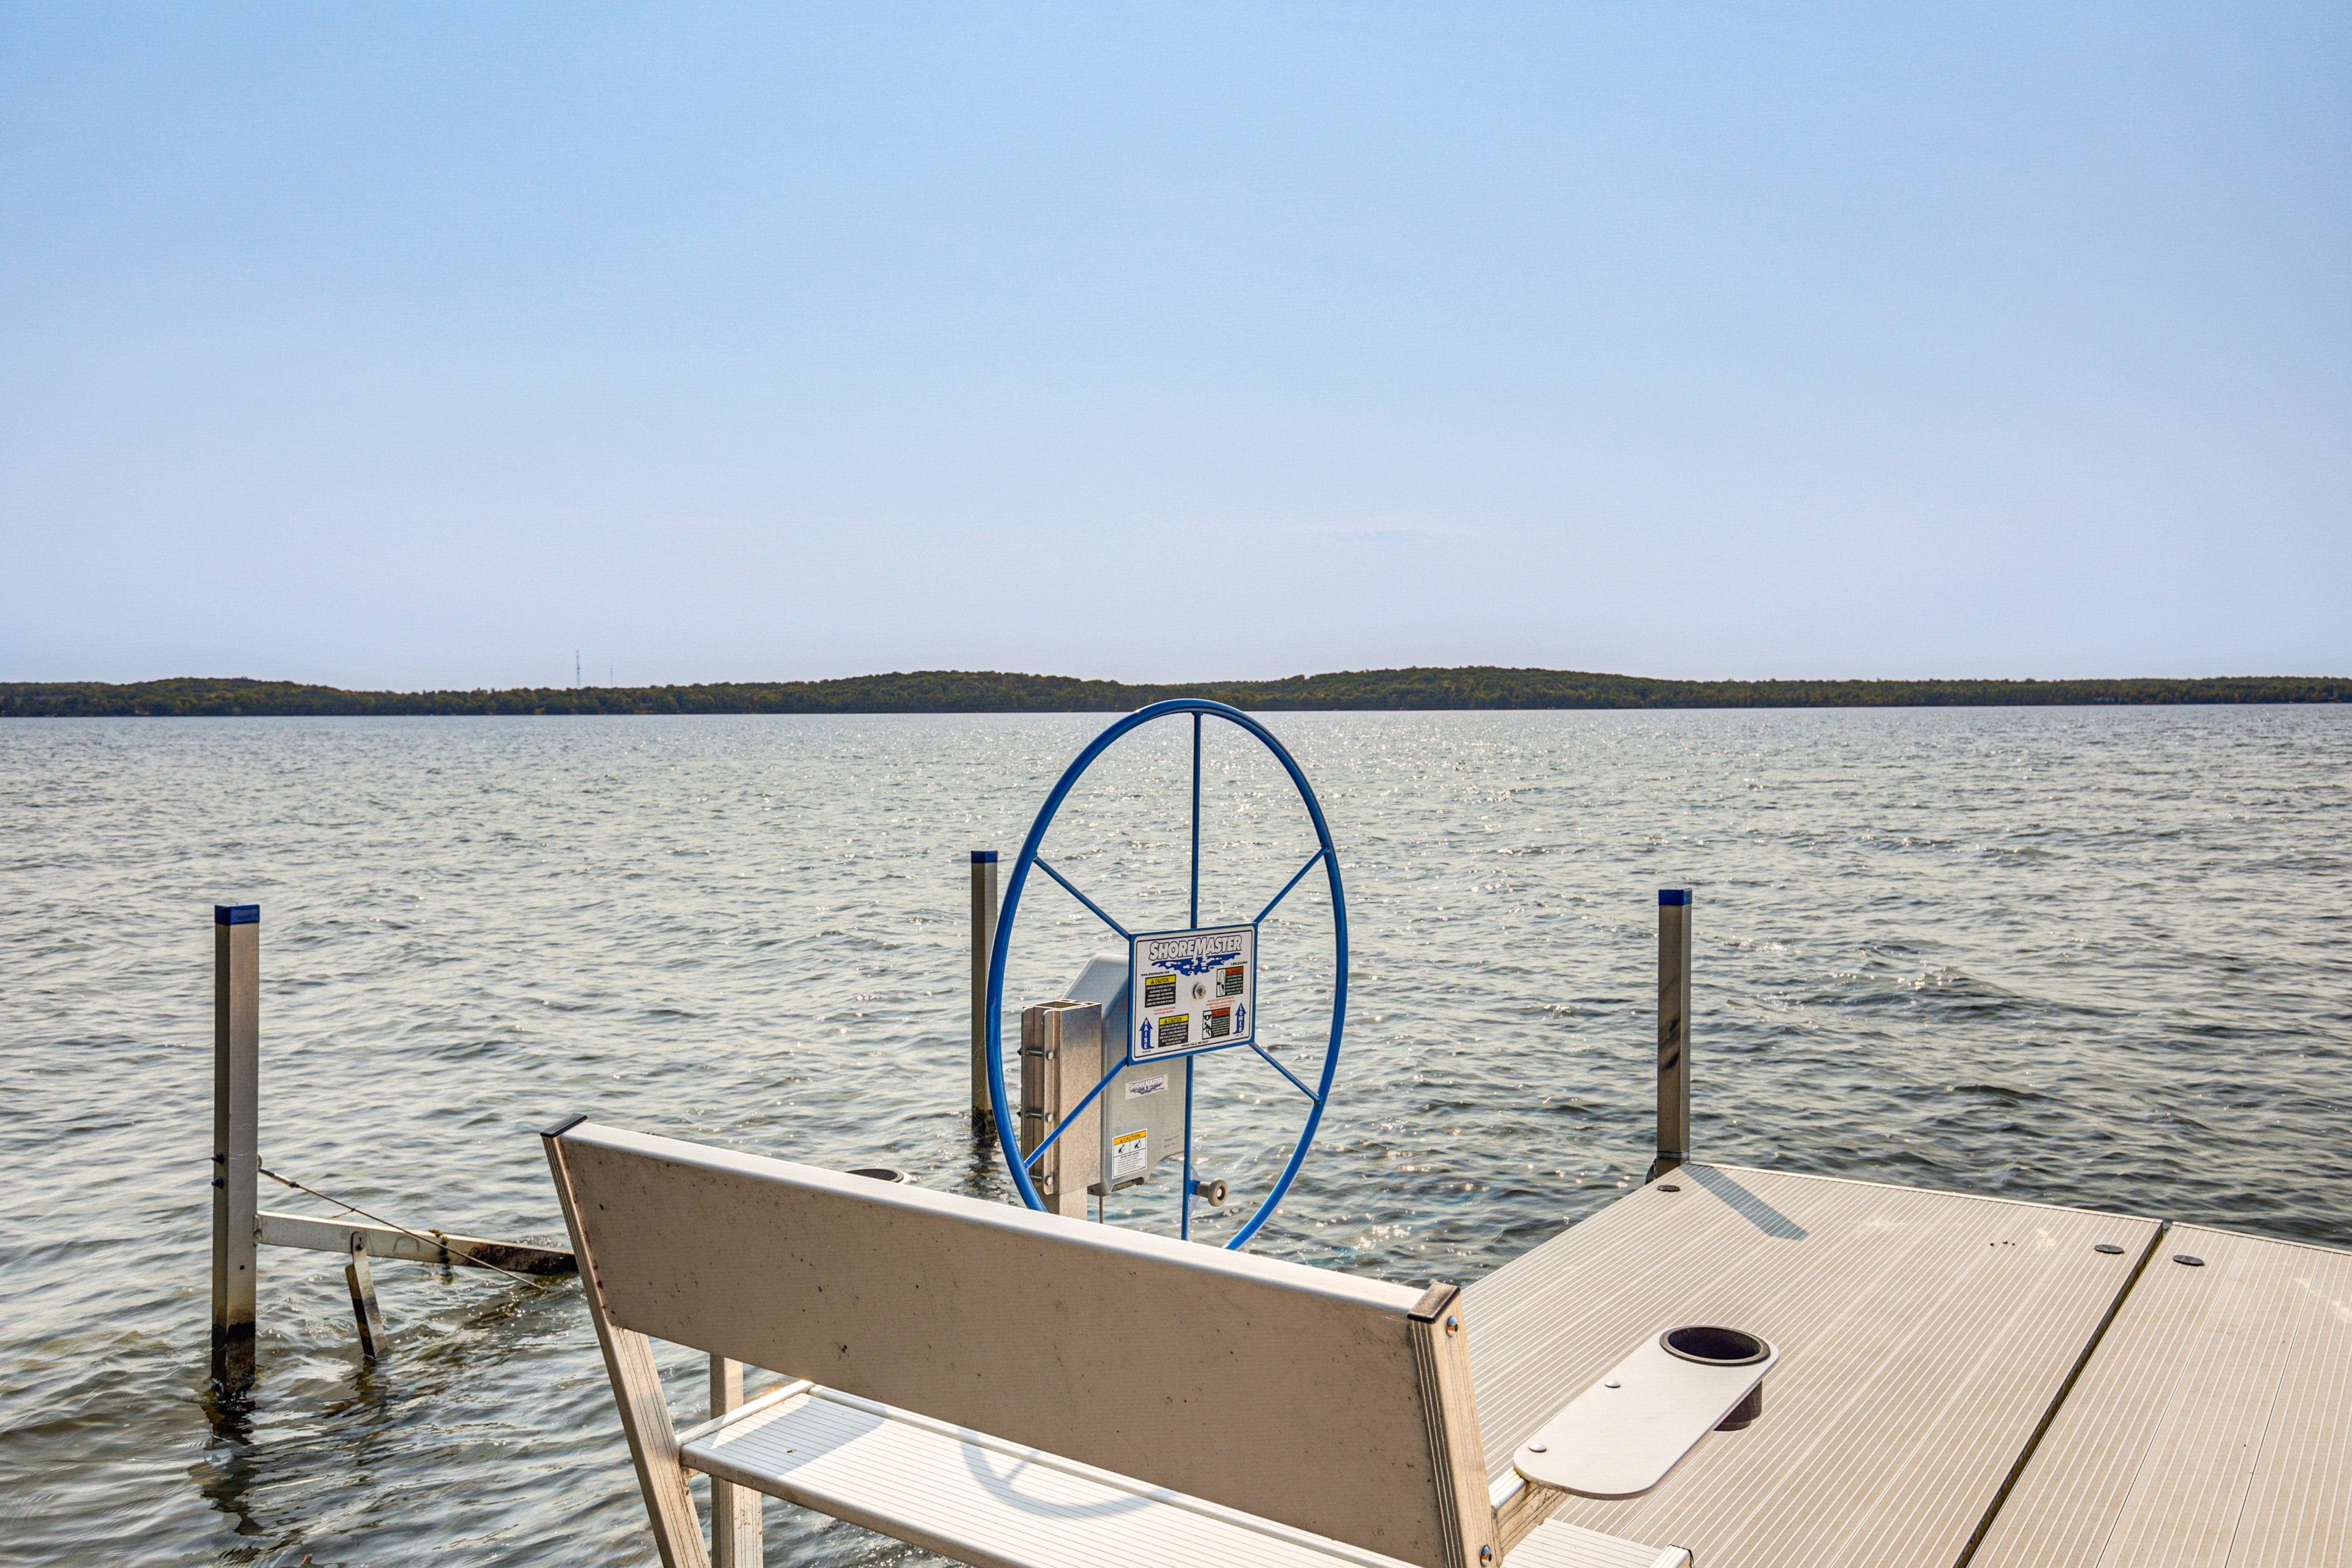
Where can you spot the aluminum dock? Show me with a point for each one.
(1963, 1381)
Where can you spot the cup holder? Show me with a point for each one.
(1711, 1346)
(891, 1173)
(1715, 1347)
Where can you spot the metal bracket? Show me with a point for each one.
(370, 1317)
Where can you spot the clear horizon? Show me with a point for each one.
(407, 351)
(589, 681)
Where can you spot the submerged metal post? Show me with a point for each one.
(364, 1311)
(983, 938)
(734, 1511)
(1674, 1030)
(236, 1118)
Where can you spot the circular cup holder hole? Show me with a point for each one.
(880, 1172)
(1715, 1347)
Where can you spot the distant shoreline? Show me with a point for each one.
(1472, 687)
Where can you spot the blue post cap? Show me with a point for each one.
(236, 914)
(984, 857)
(1674, 896)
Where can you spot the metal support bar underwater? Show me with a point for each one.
(369, 1316)
(1674, 1030)
(436, 1248)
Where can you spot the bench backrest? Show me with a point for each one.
(1337, 1404)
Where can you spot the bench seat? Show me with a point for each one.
(982, 1501)
(1556, 1543)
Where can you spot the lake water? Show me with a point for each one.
(2096, 957)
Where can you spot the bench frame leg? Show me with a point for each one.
(734, 1511)
(1441, 1354)
(644, 1415)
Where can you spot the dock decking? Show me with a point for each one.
(1962, 1380)
(2213, 1425)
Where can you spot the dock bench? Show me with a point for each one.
(1022, 1389)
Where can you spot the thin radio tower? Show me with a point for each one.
(575, 669)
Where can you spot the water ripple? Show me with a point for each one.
(2085, 956)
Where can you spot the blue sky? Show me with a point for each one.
(422, 345)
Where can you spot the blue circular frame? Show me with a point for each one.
(1001, 1105)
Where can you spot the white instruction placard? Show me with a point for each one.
(1192, 991)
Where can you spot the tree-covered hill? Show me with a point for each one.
(988, 692)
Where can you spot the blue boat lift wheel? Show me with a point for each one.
(1320, 1096)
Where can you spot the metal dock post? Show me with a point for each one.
(237, 1117)
(983, 937)
(1674, 1030)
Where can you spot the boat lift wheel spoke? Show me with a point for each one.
(1063, 1125)
(1287, 886)
(1285, 1072)
(1071, 888)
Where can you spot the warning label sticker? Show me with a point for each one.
(1194, 990)
(1130, 1154)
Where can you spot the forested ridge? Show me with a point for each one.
(988, 691)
